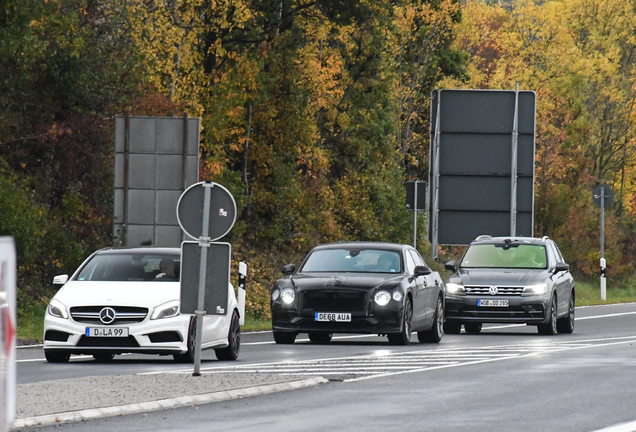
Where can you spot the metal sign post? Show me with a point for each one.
(206, 212)
(513, 166)
(204, 243)
(603, 196)
(415, 200)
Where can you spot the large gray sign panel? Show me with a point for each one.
(156, 159)
(479, 183)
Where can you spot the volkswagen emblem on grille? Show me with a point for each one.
(493, 290)
(107, 315)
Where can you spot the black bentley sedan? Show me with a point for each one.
(359, 287)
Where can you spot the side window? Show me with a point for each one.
(417, 258)
(410, 263)
(557, 253)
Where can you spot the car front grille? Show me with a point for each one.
(123, 314)
(523, 312)
(501, 290)
(334, 301)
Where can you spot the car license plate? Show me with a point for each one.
(338, 317)
(493, 303)
(106, 331)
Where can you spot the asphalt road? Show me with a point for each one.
(506, 379)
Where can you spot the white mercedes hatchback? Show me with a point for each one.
(127, 300)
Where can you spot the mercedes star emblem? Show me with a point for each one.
(107, 315)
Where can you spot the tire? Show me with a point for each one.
(434, 335)
(57, 357)
(452, 328)
(566, 324)
(550, 327)
(103, 357)
(231, 352)
(188, 357)
(473, 328)
(320, 337)
(285, 338)
(403, 337)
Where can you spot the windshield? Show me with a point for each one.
(505, 256)
(354, 260)
(132, 267)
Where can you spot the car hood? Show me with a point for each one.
(141, 294)
(363, 281)
(499, 276)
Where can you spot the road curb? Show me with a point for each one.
(51, 419)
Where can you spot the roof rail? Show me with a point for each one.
(483, 237)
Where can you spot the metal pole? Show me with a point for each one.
(124, 228)
(204, 243)
(603, 280)
(185, 159)
(513, 166)
(415, 214)
(435, 178)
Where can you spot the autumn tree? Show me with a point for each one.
(579, 58)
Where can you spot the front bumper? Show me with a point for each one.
(164, 336)
(520, 310)
(379, 321)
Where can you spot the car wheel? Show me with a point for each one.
(231, 352)
(550, 327)
(103, 357)
(434, 335)
(452, 328)
(320, 337)
(404, 337)
(56, 357)
(188, 357)
(285, 338)
(566, 324)
(472, 328)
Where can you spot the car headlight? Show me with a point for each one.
(397, 296)
(538, 289)
(275, 294)
(454, 288)
(382, 298)
(166, 310)
(287, 296)
(57, 309)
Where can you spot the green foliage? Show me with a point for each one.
(313, 115)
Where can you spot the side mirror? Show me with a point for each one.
(421, 271)
(561, 267)
(450, 266)
(60, 279)
(288, 268)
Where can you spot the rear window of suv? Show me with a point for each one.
(505, 255)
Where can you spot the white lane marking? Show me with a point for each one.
(348, 336)
(629, 341)
(622, 427)
(385, 363)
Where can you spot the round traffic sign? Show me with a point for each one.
(220, 212)
(605, 192)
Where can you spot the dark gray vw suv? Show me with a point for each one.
(510, 280)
